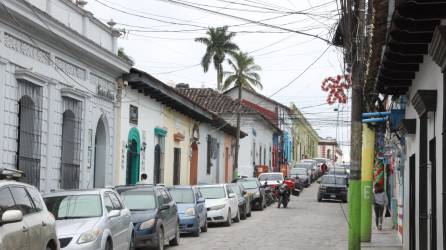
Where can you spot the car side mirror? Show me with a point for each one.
(319, 181)
(164, 207)
(244, 192)
(114, 213)
(201, 200)
(232, 195)
(11, 216)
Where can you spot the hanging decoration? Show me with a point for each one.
(336, 88)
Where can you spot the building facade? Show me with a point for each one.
(305, 139)
(409, 72)
(257, 137)
(57, 94)
(328, 148)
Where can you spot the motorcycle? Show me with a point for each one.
(282, 195)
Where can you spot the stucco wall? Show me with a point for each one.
(175, 122)
(217, 169)
(73, 77)
(428, 77)
(150, 115)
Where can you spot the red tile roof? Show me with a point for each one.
(272, 116)
(214, 101)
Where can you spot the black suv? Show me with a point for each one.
(333, 187)
(252, 185)
(154, 215)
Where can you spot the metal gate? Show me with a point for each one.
(71, 144)
(29, 131)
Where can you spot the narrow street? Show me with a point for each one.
(305, 224)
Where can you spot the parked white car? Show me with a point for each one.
(25, 223)
(221, 203)
(269, 179)
(91, 219)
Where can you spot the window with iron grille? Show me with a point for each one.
(71, 143)
(29, 131)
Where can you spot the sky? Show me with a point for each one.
(159, 36)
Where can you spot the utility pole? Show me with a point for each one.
(357, 42)
(237, 138)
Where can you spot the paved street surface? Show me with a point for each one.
(305, 224)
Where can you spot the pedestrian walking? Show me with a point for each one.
(143, 179)
(380, 202)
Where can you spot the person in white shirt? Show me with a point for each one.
(143, 179)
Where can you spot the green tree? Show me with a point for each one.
(218, 44)
(244, 72)
(244, 75)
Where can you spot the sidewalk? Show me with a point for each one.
(386, 239)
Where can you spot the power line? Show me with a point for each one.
(244, 19)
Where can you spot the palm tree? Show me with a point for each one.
(244, 76)
(218, 45)
(244, 73)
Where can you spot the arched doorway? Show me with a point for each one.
(69, 171)
(28, 152)
(194, 164)
(133, 151)
(100, 155)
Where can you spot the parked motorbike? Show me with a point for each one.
(283, 195)
(270, 199)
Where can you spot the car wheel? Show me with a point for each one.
(237, 217)
(108, 245)
(176, 241)
(229, 219)
(243, 215)
(131, 246)
(319, 198)
(204, 228)
(160, 240)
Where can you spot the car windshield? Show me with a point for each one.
(67, 207)
(303, 165)
(249, 184)
(338, 171)
(182, 195)
(213, 192)
(298, 171)
(236, 189)
(320, 160)
(333, 180)
(139, 200)
(271, 177)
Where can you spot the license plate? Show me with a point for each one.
(332, 196)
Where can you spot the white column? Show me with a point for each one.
(3, 64)
(50, 144)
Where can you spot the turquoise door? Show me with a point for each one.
(133, 153)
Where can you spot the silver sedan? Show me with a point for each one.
(91, 219)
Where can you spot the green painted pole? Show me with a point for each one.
(368, 152)
(354, 202)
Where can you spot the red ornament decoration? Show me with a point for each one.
(336, 87)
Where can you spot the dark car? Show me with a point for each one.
(333, 187)
(244, 200)
(191, 209)
(252, 185)
(340, 171)
(154, 215)
(300, 175)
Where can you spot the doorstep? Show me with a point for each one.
(386, 239)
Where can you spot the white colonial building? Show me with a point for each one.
(58, 80)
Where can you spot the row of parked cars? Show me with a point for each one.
(123, 217)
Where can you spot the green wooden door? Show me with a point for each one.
(133, 153)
